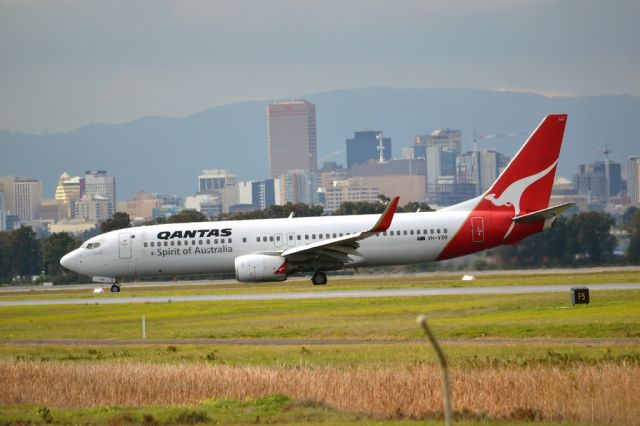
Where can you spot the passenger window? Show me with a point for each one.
(341, 234)
(166, 243)
(418, 231)
(306, 237)
(258, 239)
(209, 241)
(438, 230)
(180, 243)
(200, 242)
(290, 237)
(334, 235)
(313, 236)
(151, 243)
(404, 232)
(411, 231)
(271, 238)
(215, 241)
(424, 231)
(299, 237)
(193, 242)
(229, 240)
(277, 237)
(431, 231)
(173, 243)
(222, 241)
(264, 239)
(244, 239)
(444, 230)
(145, 244)
(384, 233)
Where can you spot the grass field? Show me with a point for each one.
(507, 381)
(611, 314)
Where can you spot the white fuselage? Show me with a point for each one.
(164, 250)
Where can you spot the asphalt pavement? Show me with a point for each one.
(319, 294)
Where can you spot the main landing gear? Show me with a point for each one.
(319, 278)
(115, 288)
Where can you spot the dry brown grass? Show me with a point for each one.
(602, 393)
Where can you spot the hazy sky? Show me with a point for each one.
(69, 63)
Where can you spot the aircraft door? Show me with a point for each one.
(277, 240)
(124, 245)
(477, 229)
(291, 239)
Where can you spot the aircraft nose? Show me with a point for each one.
(70, 261)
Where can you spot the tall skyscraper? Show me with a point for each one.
(449, 138)
(68, 191)
(7, 184)
(97, 182)
(633, 179)
(28, 195)
(3, 213)
(364, 147)
(291, 137)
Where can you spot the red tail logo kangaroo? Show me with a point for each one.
(511, 196)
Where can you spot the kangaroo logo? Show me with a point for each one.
(511, 196)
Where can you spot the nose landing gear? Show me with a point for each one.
(115, 288)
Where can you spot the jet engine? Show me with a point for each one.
(260, 267)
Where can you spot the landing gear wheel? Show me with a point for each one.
(115, 288)
(319, 278)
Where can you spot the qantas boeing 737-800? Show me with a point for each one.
(515, 207)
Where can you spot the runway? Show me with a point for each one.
(320, 294)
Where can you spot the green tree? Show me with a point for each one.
(27, 256)
(633, 252)
(6, 257)
(54, 247)
(413, 206)
(119, 220)
(589, 236)
(186, 216)
(348, 208)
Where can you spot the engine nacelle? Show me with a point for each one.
(260, 267)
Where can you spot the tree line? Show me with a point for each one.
(581, 239)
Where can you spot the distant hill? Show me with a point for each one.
(159, 154)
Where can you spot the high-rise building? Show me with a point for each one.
(94, 208)
(221, 183)
(97, 182)
(299, 186)
(259, 194)
(365, 146)
(480, 168)
(68, 192)
(27, 194)
(450, 138)
(3, 213)
(598, 184)
(7, 184)
(633, 179)
(291, 128)
(352, 189)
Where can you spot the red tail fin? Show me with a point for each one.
(526, 182)
(523, 187)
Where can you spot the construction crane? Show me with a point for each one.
(476, 137)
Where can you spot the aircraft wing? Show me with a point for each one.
(337, 250)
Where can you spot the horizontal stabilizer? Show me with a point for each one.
(544, 214)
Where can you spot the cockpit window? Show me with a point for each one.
(92, 246)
